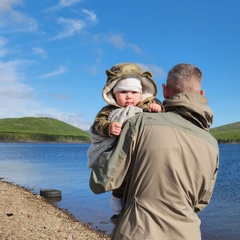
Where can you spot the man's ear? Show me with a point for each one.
(165, 91)
(202, 92)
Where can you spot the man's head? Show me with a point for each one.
(183, 78)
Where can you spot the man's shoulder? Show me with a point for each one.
(170, 120)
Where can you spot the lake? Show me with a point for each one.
(64, 167)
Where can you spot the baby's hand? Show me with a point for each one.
(154, 107)
(115, 128)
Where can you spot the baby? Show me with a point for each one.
(128, 90)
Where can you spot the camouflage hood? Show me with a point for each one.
(125, 70)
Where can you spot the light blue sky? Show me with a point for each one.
(54, 53)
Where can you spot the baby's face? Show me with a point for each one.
(127, 98)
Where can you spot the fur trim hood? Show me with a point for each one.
(124, 70)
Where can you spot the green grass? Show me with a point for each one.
(42, 129)
(229, 133)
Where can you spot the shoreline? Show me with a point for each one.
(25, 215)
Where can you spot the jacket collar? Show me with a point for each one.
(192, 107)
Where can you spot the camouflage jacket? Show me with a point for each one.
(101, 122)
(117, 73)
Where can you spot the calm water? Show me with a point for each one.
(64, 167)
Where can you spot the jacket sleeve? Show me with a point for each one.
(101, 123)
(109, 171)
(207, 196)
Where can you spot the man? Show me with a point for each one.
(168, 163)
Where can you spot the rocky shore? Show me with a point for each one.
(24, 215)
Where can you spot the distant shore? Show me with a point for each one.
(25, 215)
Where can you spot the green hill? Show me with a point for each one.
(229, 133)
(42, 129)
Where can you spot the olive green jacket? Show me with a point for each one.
(168, 163)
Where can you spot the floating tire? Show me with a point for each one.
(50, 193)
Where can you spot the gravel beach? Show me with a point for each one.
(24, 215)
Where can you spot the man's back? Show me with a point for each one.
(171, 172)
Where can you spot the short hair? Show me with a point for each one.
(184, 78)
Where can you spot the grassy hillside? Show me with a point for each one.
(42, 129)
(227, 133)
(31, 129)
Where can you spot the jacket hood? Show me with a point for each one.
(124, 70)
(192, 107)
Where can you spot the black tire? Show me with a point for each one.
(50, 193)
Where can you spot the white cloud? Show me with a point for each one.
(99, 53)
(76, 119)
(9, 71)
(59, 71)
(39, 51)
(18, 99)
(67, 3)
(62, 4)
(6, 5)
(13, 94)
(119, 42)
(92, 17)
(157, 72)
(3, 43)
(19, 91)
(15, 21)
(11, 88)
(135, 48)
(71, 27)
